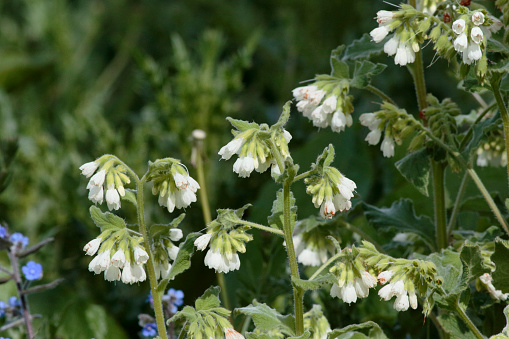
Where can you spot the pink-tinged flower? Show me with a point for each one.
(368, 279)
(89, 168)
(92, 246)
(230, 333)
(385, 276)
(458, 26)
(401, 303)
(478, 18)
(384, 17)
(476, 35)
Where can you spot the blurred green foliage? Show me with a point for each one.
(79, 79)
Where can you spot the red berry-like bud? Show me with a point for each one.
(422, 116)
(465, 2)
(447, 17)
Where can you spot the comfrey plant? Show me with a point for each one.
(15, 312)
(453, 274)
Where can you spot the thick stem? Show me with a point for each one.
(156, 296)
(495, 86)
(22, 296)
(294, 268)
(207, 217)
(467, 321)
(419, 82)
(456, 208)
(438, 170)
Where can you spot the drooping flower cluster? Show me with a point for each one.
(226, 236)
(404, 291)
(176, 188)
(255, 144)
(331, 191)
(164, 251)
(487, 279)
(110, 177)
(317, 322)
(311, 246)
(326, 103)
(353, 280)
(492, 153)
(119, 256)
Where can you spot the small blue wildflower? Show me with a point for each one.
(32, 270)
(18, 238)
(150, 299)
(149, 330)
(3, 306)
(14, 302)
(3, 232)
(173, 298)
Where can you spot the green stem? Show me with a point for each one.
(207, 217)
(380, 93)
(419, 82)
(277, 155)
(456, 208)
(263, 228)
(438, 170)
(488, 199)
(302, 175)
(156, 296)
(495, 86)
(467, 321)
(22, 296)
(324, 266)
(294, 268)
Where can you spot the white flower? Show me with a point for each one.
(92, 246)
(476, 35)
(89, 168)
(402, 54)
(230, 333)
(370, 120)
(231, 148)
(94, 266)
(112, 273)
(140, 255)
(341, 203)
(304, 93)
(458, 26)
(327, 210)
(97, 179)
(243, 166)
(176, 234)
(391, 46)
(412, 298)
(162, 270)
(386, 292)
(172, 251)
(96, 194)
(385, 276)
(361, 288)
(104, 259)
(379, 33)
(401, 303)
(348, 293)
(202, 241)
(112, 198)
(461, 42)
(478, 18)
(474, 52)
(329, 104)
(346, 187)
(312, 256)
(127, 276)
(315, 97)
(387, 146)
(384, 17)
(487, 279)
(168, 200)
(368, 279)
(373, 137)
(398, 288)
(118, 259)
(138, 273)
(338, 122)
(219, 262)
(180, 181)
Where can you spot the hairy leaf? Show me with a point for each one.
(363, 72)
(183, 260)
(161, 230)
(401, 217)
(130, 195)
(106, 220)
(499, 257)
(473, 263)
(505, 331)
(242, 125)
(266, 318)
(315, 284)
(372, 330)
(276, 219)
(455, 327)
(340, 69)
(415, 167)
(362, 48)
(209, 299)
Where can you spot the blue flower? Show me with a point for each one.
(174, 298)
(3, 306)
(18, 238)
(150, 299)
(3, 232)
(32, 270)
(14, 302)
(149, 330)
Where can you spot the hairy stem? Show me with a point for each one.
(439, 204)
(207, 217)
(456, 208)
(495, 86)
(467, 321)
(263, 228)
(302, 176)
(156, 296)
(294, 268)
(22, 296)
(380, 93)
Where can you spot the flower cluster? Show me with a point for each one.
(317, 322)
(331, 191)
(32, 270)
(149, 330)
(487, 279)
(492, 153)
(19, 241)
(110, 176)
(165, 250)
(116, 251)
(404, 291)
(254, 149)
(326, 103)
(12, 309)
(311, 245)
(176, 188)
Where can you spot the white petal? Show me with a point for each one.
(202, 241)
(89, 168)
(231, 148)
(92, 246)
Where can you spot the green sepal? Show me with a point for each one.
(323, 160)
(266, 318)
(363, 72)
(415, 167)
(321, 281)
(106, 220)
(368, 329)
(229, 218)
(275, 220)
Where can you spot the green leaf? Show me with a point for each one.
(497, 46)
(478, 133)
(415, 167)
(266, 318)
(306, 335)
(107, 220)
(401, 217)
(258, 336)
(473, 262)
(499, 257)
(209, 299)
(363, 48)
(372, 330)
(505, 331)
(455, 327)
(363, 72)
(242, 125)
(130, 195)
(450, 268)
(315, 284)
(188, 313)
(183, 260)
(275, 220)
(161, 230)
(501, 67)
(285, 115)
(340, 69)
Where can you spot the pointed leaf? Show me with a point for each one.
(415, 167)
(401, 217)
(473, 262)
(106, 220)
(242, 125)
(321, 281)
(306, 335)
(183, 260)
(363, 72)
(285, 115)
(478, 133)
(266, 318)
(374, 331)
(276, 219)
(363, 48)
(209, 299)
